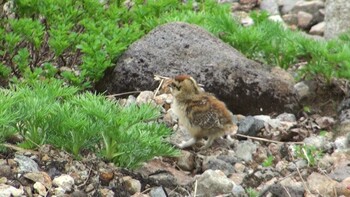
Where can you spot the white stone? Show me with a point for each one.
(213, 183)
(8, 191)
(65, 182)
(40, 188)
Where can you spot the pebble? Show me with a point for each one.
(213, 163)
(26, 164)
(40, 188)
(65, 182)
(158, 192)
(245, 150)
(186, 161)
(132, 185)
(213, 183)
(5, 171)
(8, 191)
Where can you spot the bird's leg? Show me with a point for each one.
(209, 142)
(187, 143)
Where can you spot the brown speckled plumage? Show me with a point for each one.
(201, 113)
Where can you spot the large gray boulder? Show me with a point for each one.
(247, 87)
(337, 17)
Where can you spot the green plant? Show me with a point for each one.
(48, 112)
(252, 192)
(310, 153)
(268, 161)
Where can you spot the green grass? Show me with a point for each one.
(47, 112)
(76, 40)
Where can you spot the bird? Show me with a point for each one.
(201, 113)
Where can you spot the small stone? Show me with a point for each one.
(7, 191)
(59, 191)
(341, 172)
(325, 122)
(304, 20)
(64, 181)
(145, 97)
(89, 188)
(318, 29)
(245, 150)
(186, 161)
(213, 183)
(250, 126)
(5, 171)
(270, 6)
(238, 190)
(78, 194)
(26, 164)
(138, 194)
(319, 142)
(41, 177)
(158, 192)
(132, 185)
(40, 188)
(213, 163)
(287, 117)
(321, 184)
(237, 178)
(106, 176)
(239, 167)
(46, 158)
(106, 192)
(3, 180)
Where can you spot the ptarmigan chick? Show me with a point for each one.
(201, 113)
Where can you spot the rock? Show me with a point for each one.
(238, 191)
(286, 5)
(318, 29)
(10, 191)
(40, 188)
(78, 194)
(158, 192)
(311, 7)
(40, 177)
(344, 187)
(106, 192)
(239, 167)
(302, 90)
(287, 187)
(26, 164)
(177, 48)
(170, 175)
(270, 6)
(186, 161)
(64, 181)
(132, 185)
(291, 19)
(5, 171)
(341, 172)
(106, 175)
(213, 183)
(341, 143)
(140, 195)
(213, 163)
(250, 126)
(304, 20)
(287, 117)
(321, 184)
(245, 150)
(237, 178)
(145, 97)
(319, 142)
(337, 18)
(325, 122)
